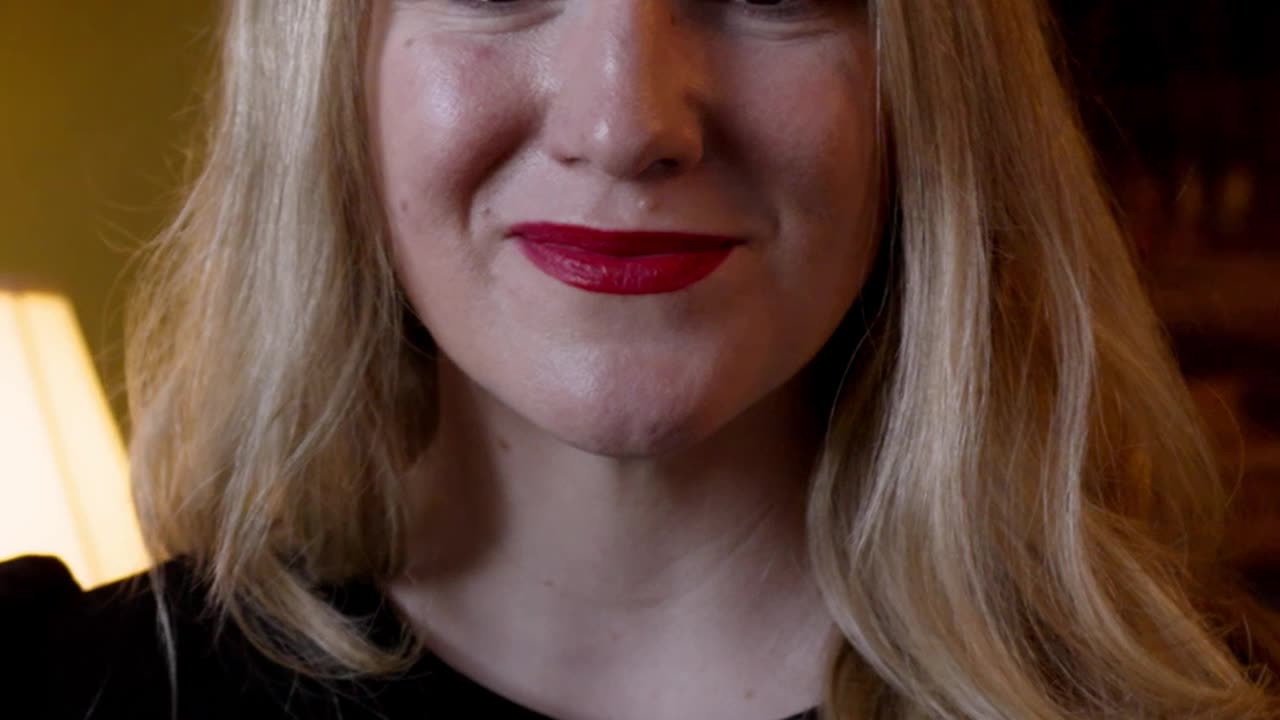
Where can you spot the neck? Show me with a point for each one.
(585, 566)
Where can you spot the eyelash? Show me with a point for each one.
(783, 11)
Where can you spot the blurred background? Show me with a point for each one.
(98, 101)
(1182, 101)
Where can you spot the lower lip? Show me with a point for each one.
(623, 275)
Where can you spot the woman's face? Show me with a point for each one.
(750, 122)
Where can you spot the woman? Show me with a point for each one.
(653, 359)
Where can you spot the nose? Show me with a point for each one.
(627, 91)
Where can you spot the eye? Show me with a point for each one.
(781, 9)
(489, 4)
(754, 8)
(498, 11)
(782, 13)
(496, 7)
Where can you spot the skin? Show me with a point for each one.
(611, 514)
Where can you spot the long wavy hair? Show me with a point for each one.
(1014, 514)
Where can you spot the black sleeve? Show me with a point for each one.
(100, 654)
(31, 587)
(68, 653)
(34, 591)
(31, 582)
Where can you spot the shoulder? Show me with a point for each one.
(67, 652)
(34, 590)
(31, 588)
(117, 652)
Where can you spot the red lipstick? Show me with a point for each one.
(622, 263)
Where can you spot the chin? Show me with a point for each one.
(632, 438)
(634, 403)
(629, 424)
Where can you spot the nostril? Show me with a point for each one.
(665, 166)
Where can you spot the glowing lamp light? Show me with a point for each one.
(64, 487)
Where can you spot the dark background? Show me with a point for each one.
(1182, 101)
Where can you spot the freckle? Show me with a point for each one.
(548, 583)
(750, 694)
(503, 445)
(404, 206)
(409, 43)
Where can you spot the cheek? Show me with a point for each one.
(442, 117)
(825, 143)
(819, 160)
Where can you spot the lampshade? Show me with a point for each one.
(63, 471)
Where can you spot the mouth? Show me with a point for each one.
(622, 262)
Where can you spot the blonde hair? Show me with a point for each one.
(1014, 514)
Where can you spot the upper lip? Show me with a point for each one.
(621, 242)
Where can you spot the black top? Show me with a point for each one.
(66, 653)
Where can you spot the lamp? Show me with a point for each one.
(64, 487)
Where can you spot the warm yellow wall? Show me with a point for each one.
(97, 101)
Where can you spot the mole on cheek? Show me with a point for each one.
(404, 207)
